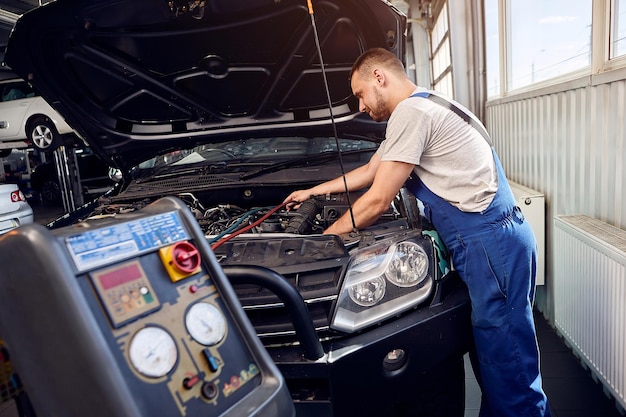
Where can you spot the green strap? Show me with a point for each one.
(440, 248)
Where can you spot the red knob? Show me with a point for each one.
(185, 257)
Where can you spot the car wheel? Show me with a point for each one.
(50, 191)
(5, 152)
(43, 135)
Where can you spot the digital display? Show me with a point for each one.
(120, 276)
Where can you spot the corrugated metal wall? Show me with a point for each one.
(569, 142)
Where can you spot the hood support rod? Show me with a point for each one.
(330, 108)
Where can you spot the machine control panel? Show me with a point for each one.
(125, 291)
(121, 240)
(140, 313)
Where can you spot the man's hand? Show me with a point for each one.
(356, 179)
(389, 178)
(296, 198)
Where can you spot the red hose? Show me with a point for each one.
(245, 229)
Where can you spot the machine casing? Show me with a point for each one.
(71, 350)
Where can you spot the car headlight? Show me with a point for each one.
(384, 280)
(369, 292)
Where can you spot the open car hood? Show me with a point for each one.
(138, 78)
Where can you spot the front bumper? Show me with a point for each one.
(382, 369)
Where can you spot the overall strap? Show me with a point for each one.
(459, 112)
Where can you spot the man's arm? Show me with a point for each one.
(356, 179)
(388, 179)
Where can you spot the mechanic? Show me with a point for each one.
(446, 158)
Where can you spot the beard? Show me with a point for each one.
(379, 112)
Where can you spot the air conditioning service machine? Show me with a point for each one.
(131, 316)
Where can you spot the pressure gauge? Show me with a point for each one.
(205, 323)
(153, 352)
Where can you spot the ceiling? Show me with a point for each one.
(9, 11)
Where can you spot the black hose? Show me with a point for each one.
(302, 222)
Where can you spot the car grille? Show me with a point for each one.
(316, 274)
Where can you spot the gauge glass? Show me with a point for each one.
(153, 352)
(205, 324)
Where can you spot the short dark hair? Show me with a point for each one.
(374, 57)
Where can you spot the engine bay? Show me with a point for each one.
(311, 217)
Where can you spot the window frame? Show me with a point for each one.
(601, 67)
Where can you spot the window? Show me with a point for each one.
(543, 40)
(440, 47)
(16, 90)
(547, 39)
(618, 28)
(492, 41)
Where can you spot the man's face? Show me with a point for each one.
(367, 90)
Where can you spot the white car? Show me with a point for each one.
(26, 119)
(14, 209)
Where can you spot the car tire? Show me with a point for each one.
(50, 191)
(43, 135)
(5, 152)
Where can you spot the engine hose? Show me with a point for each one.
(245, 229)
(237, 223)
(305, 215)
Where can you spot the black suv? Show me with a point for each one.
(230, 106)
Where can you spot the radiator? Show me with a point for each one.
(533, 206)
(590, 297)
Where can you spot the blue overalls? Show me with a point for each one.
(495, 255)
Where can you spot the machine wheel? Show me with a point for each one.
(43, 135)
(50, 191)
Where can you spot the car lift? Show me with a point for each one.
(69, 176)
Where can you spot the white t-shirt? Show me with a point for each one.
(451, 158)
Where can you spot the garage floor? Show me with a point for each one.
(570, 388)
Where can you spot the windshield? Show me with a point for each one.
(257, 151)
